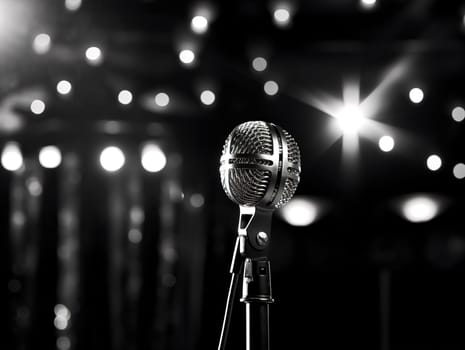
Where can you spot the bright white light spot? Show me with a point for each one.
(368, 3)
(135, 236)
(153, 158)
(271, 87)
(50, 157)
(112, 159)
(281, 16)
(73, 5)
(350, 119)
(259, 64)
(37, 107)
(459, 171)
(416, 95)
(433, 162)
(420, 209)
(162, 99)
(386, 143)
(199, 24)
(60, 323)
(42, 43)
(125, 97)
(62, 311)
(197, 200)
(458, 114)
(94, 55)
(187, 56)
(63, 343)
(64, 87)
(299, 211)
(207, 97)
(12, 159)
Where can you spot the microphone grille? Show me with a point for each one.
(249, 176)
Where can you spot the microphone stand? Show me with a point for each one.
(252, 244)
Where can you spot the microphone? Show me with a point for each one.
(260, 171)
(260, 165)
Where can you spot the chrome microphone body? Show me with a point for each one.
(260, 165)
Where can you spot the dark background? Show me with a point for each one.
(329, 279)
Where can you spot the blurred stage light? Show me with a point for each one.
(300, 211)
(153, 158)
(281, 16)
(433, 162)
(197, 200)
(62, 311)
(37, 107)
(42, 43)
(199, 24)
(368, 3)
(207, 97)
(350, 119)
(63, 343)
(420, 208)
(12, 159)
(112, 159)
(94, 55)
(64, 87)
(271, 88)
(259, 64)
(416, 95)
(73, 5)
(459, 171)
(50, 157)
(125, 97)
(135, 236)
(187, 56)
(458, 114)
(386, 143)
(34, 186)
(162, 99)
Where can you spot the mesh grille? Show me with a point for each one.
(248, 186)
(289, 189)
(251, 138)
(293, 148)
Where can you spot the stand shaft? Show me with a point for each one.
(257, 326)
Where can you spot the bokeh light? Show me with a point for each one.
(73, 5)
(42, 43)
(50, 157)
(64, 87)
(12, 158)
(37, 107)
(271, 87)
(458, 114)
(207, 97)
(259, 64)
(153, 158)
(433, 162)
(94, 55)
(459, 171)
(125, 97)
(300, 211)
(416, 95)
(199, 24)
(112, 158)
(162, 99)
(386, 143)
(420, 208)
(187, 56)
